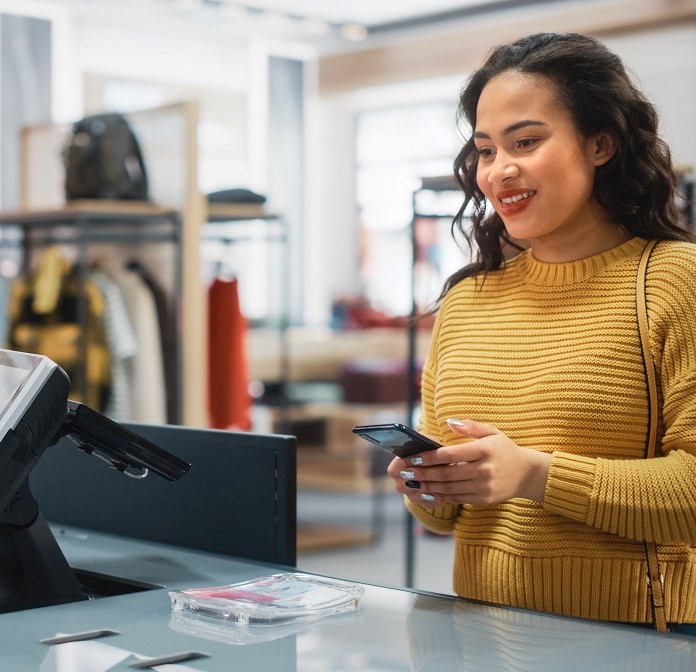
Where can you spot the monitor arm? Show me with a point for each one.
(33, 569)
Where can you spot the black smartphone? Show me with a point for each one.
(396, 438)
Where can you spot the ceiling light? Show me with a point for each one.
(238, 10)
(316, 26)
(355, 32)
(188, 5)
(276, 18)
(231, 11)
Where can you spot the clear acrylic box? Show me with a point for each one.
(269, 600)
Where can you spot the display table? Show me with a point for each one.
(395, 629)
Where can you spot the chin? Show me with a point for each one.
(525, 233)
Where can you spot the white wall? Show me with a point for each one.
(144, 52)
(332, 247)
(664, 63)
(334, 187)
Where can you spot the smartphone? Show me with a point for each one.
(396, 438)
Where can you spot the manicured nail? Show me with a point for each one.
(407, 475)
(426, 497)
(415, 485)
(456, 422)
(416, 461)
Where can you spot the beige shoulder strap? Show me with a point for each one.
(655, 579)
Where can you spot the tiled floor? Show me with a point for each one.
(383, 561)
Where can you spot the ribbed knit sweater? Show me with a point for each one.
(550, 354)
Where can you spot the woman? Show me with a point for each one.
(534, 383)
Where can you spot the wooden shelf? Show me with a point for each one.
(107, 209)
(330, 458)
(440, 183)
(312, 537)
(323, 478)
(229, 212)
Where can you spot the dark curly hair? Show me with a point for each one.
(637, 187)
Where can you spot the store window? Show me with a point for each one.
(395, 148)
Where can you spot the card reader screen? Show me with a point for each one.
(15, 369)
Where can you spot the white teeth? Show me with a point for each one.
(519, 197)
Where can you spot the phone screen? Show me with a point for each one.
(396, 439)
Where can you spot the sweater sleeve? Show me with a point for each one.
(442, 518)
(652, 500)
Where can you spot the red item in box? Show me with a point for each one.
(376, 381)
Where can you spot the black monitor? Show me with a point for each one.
(34, 414)
(239, 499)
(33, 398)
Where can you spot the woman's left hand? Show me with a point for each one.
(488, 469)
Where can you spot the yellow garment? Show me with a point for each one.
(78, 346)
(49, 280)
(550, 354)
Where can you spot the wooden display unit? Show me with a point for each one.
(329, 456)
(103, 229)
(168, 139)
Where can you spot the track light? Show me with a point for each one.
(316, 26)
(355, 32)
(189, 5)
(232, 10)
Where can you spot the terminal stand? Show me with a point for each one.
(34, 572)
(35, 414)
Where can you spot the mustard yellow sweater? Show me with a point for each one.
(550, 354)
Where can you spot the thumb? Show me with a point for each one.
(471, 428)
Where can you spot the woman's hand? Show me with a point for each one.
(489, 468)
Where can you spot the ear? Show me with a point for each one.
(604, 148)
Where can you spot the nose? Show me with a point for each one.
(503, 169)
(511, 170)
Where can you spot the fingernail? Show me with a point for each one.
(427, 497)
(416, 461)
(455, 422)
(412, 484)
(407, 475)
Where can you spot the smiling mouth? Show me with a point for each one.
(518, 197)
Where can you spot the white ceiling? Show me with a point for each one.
(366, 12)
(318, 23)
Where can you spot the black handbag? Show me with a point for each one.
(103, 160)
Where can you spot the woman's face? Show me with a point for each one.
(537, 170)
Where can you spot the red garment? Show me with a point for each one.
(229, 401)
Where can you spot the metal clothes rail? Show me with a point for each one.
(83, 223)
(433, 184)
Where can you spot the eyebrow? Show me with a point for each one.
(512, 128)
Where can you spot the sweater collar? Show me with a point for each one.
(537, 272)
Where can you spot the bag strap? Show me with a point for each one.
(655, 578)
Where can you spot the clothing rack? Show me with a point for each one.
(436, 184)
(236, 223)
(91, 222)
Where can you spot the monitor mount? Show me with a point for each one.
(33, 570)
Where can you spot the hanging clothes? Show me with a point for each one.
(46, 318)
(169, 332)
(123, 346)
(146, 369)
(229, 401)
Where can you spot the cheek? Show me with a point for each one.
(482, 178)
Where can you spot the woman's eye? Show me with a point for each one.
(485, 152)
(524, 143)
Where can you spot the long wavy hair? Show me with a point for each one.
(637, 187)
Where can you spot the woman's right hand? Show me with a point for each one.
(486, 469)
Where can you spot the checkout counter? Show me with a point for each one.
(129, 542)
(393, 630)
